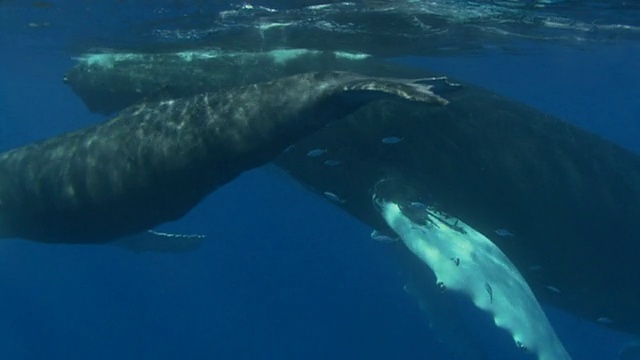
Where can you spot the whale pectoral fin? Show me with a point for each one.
(465, 261)
(160, 242)
(412, 90)
(445, 321)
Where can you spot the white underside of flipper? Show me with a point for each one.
(465, 261)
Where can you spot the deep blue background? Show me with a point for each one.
(283, 274)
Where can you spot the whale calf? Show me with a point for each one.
(155, 161)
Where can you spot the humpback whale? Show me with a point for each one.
(559, 202)
(155, 161)
(107, 82)
(551, 206)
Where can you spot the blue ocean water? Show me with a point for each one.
(283, 273)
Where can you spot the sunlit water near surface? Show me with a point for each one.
(283, 273)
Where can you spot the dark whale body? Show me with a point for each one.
(154, 162)
(568, 200)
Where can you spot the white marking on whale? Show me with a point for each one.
(316, 152)
(378, 236)
(160, 242)
(333, 197)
